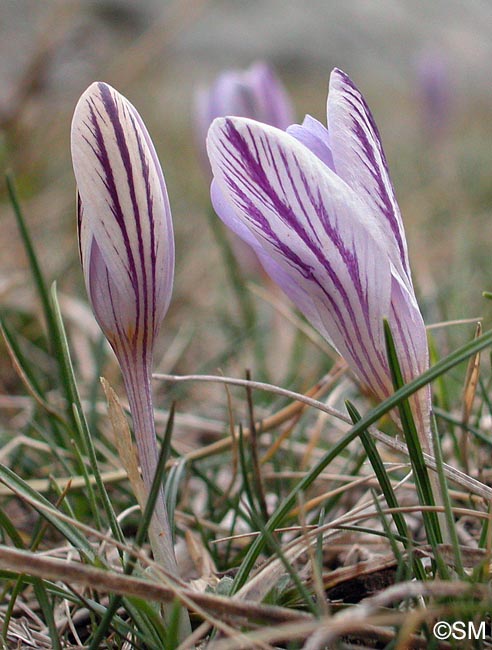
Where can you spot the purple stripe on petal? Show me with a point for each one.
(162, 244)
(360, 161)
(107, 163)
(96, 159)
(310, 223)
(126, 209)
(411, 345)
(295, 292)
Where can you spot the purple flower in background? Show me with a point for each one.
(256, 93)
(435, 91)
(127, 252)
(318, 207)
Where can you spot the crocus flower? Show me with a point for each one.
(257, 93)
(318, 207)
(127, 252)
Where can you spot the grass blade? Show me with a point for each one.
(84, 435)
(142, 532)
(276, 519)
(23, 490)
(386, 487)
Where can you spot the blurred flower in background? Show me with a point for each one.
(257, 93)
(434, 90)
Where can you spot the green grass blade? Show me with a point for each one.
(149, 623)
(23, 490)
(245, 475)
(275, 521)
(142, 531)
(448, 511)
(294, 576)
(380, 471)
(387, 490)
(39, 280)
(47, 609)
(172, 631)
(42, 289)
(412, 438)
(20, 361)
(84, 436)
(158, 480)
(91, 496)
(10, 530)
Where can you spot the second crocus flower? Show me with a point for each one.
(318, 207)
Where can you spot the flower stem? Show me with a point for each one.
(138, 387)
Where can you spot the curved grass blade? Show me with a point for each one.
(448, 511)
(31, 255)
(48, 613)
(10, 530)
(23, 490)
(41, 286)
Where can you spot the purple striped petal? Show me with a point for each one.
(124, 220)
(315, 137)
(295, 292)
(127, 252)
(313, 227)
(115, 314)
(409, 334)
(359, 159)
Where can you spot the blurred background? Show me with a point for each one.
(424, 68)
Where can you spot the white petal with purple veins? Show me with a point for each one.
(312, 225)
(360, 161)
(295, 292)
(125, 204)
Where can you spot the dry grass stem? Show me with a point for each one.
(111, 582)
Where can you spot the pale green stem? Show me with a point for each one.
(138, 387)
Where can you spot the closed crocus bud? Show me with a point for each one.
(127, 253)
(318, 207)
